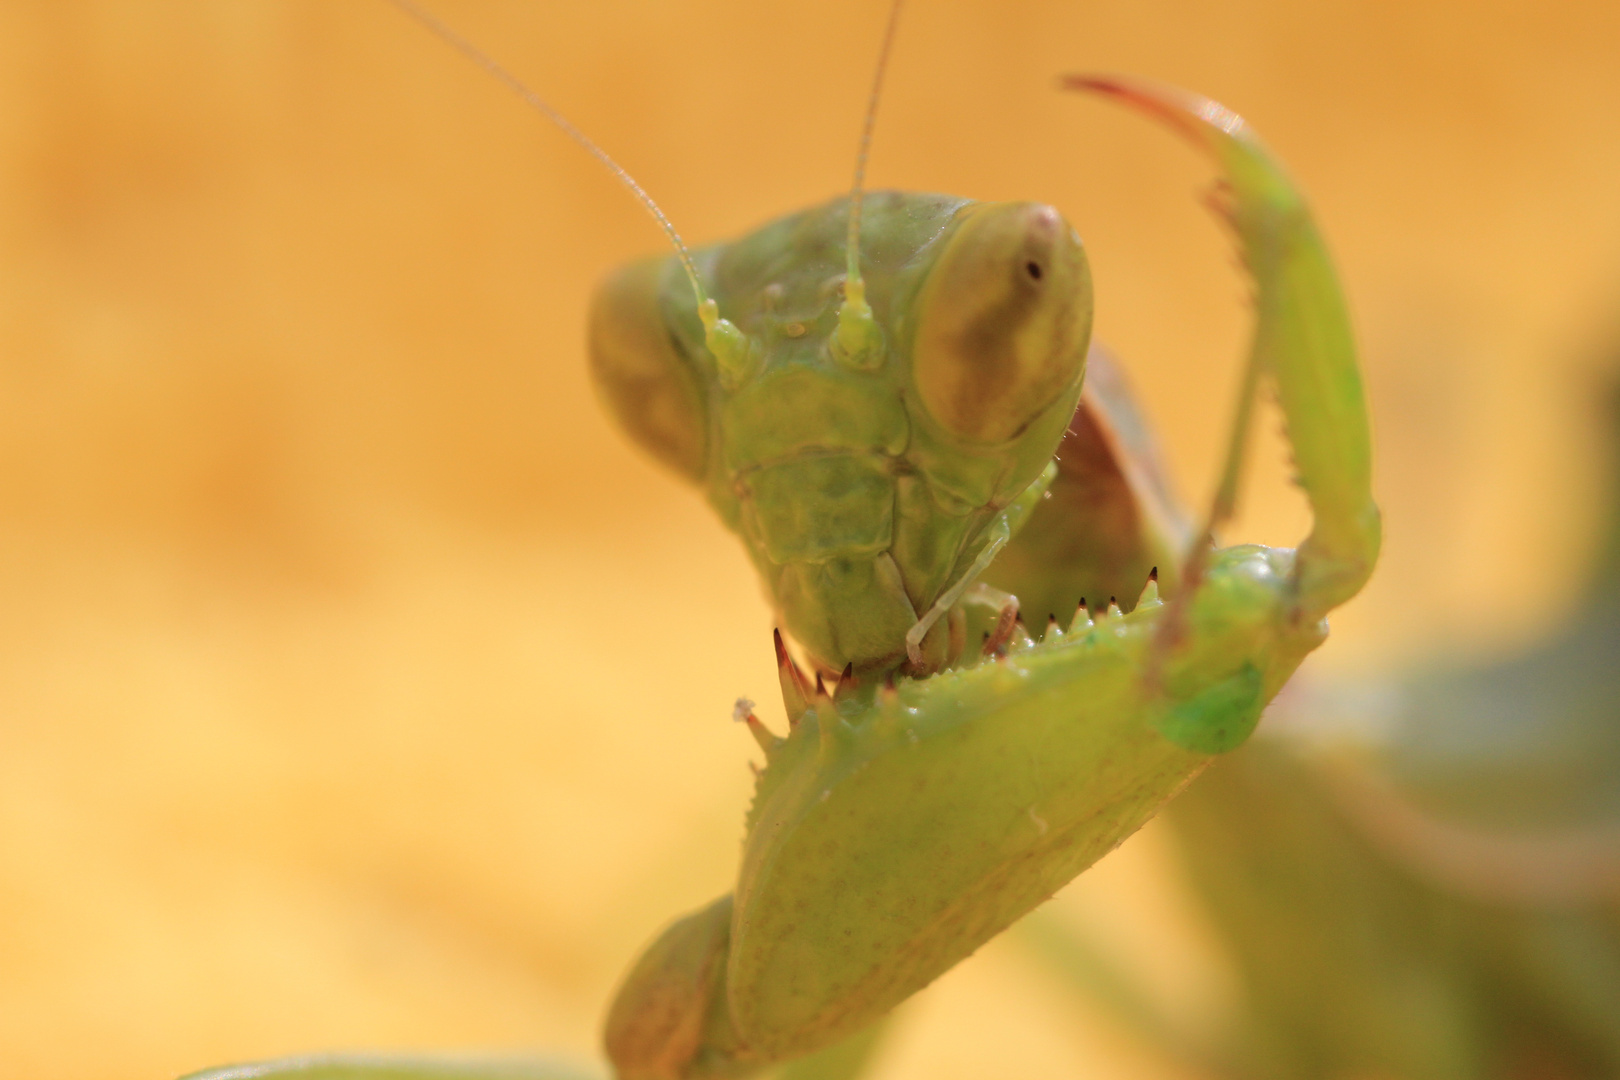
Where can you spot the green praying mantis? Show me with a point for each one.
(887, 399)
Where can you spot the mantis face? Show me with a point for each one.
(865, 486)
(875, 440)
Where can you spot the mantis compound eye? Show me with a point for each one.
(1003, 320)
(648, 386)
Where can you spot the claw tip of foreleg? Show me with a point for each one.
(794, 688)
(846, 681)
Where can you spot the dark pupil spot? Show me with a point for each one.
(1034, 269)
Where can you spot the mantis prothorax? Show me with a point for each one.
(871, 394)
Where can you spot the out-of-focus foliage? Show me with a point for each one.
(359, 689)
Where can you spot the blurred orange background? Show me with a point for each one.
(361, 688)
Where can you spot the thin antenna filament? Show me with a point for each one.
(858, 341)
(488, 63)
(852, 247)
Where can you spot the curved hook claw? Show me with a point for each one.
(1302, 340)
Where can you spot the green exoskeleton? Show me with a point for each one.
(899, 826)
(871, 488)
(1417, 877)
(872, 394)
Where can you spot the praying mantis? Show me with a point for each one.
(887, 398)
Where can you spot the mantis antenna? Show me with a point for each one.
(725, 341)
(858, 342)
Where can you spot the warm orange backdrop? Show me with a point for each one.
(358, 687)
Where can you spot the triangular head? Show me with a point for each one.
(869, 489)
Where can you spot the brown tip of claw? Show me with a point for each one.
(1189, 114)
(846, 680)
(1082, 617)
(795, 691)
(785, 664)
(783, 660)
(1150, 590)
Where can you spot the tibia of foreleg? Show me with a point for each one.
(1302, 338)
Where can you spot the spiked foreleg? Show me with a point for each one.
(1302, 339)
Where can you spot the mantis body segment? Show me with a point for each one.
(886, 453)
(897, 828)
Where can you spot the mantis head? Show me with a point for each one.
(867, 482)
